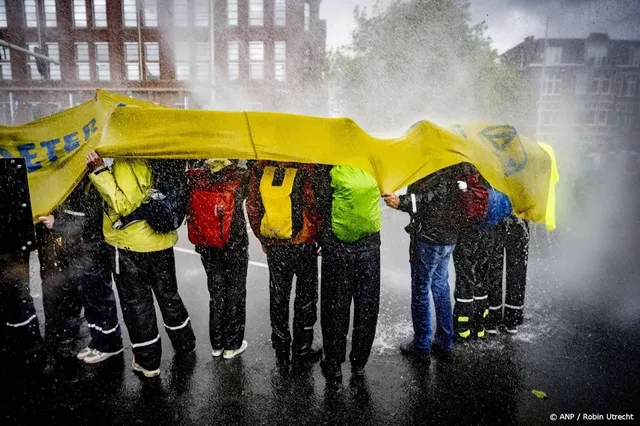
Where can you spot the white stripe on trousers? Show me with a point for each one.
(150, 342)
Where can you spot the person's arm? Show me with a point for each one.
(122, 200)
(323, 200)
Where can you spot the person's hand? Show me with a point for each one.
(94, 161)
(392, 200)
(462, 185)
(48, 221)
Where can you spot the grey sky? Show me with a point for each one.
(510, 21)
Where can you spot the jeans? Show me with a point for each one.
(429, 273)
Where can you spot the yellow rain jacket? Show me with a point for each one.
(124, 188)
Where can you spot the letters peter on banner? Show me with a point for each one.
(54, 148)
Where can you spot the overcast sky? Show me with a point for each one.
(510, 21)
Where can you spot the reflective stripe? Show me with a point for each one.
(150, 342)
(183, 325)
(465, 334)
(117, 260)
(464, 300)
(485, 313)
(72, 213)
(463, 319)
(513, 307)
(481, 333)
(480, 298)
(101, 330)
(20, 324)
(414, 208)
(495, 308)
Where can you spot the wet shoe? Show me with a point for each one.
(84, 353)
(441, 352)
(331, 370)
(309, 357)
(146, 373)
(512, 329)
(217, 352)
(232, 353)
(358, 370)
(96, 356)
(409, 350)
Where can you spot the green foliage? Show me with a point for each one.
(421, 59)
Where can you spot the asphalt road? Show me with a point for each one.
(580, 349)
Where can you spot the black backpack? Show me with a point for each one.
(166, 208)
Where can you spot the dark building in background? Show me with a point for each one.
(222, 54)
(583, 91)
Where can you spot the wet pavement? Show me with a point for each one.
(581, 351)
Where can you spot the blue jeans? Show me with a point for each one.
(430, 273)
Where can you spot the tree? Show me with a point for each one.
(421, 59)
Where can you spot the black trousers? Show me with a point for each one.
(285, 262)
(347, 276)
(143, 275)
(512, 244)
(473, 257)
(226, 270)
(61, 297)
(19, 323)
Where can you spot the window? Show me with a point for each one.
(53, 51)
(202, 13)
(596, 55)
(280, 56)
(307, 16)
(181, 13)
(280, 17)
(152, 60)
(100, 13)
(31, 63)
(601, 85)
(5, 113)
(82, 61)
(5, 64)
(596, 114)
(233, 58)
(130, 13)
(256, 13)
(79, 13)
(232, 12)
(30, 15)
(256, 60)
(35, 111)
(630, 87)
(203, 58)
(50, 13)
(103, 72)
(581, 84)
(635, 57)
(182, 61)
(553, 55)
(3, 14)
(552, 84)
(53, 108)
(131, 60)
(625, 120)
(150, 13)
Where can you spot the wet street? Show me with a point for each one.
(582, 351)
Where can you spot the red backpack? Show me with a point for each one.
(474, 202)
(211, 208)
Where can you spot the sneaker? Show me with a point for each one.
(217, 352)
(358, 370)
(97, 356)
(311, 356)
(232, 353)
(512, 329)
(409, 349)
(84, 353)
(146, 373)
(331, 370)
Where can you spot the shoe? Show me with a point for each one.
(146, 373)
(309, 357)
(97, 356)
(358, 370)
(232, 353)
(217, 352)
(84, 353)
(492, 331)
(441, 352)
(331, 370)
(409, 349)
(512, 329)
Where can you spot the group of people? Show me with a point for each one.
(120, 222)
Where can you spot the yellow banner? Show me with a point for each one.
(55, 147)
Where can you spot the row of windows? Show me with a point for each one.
(147, 10)
(152, 61)
(599, 85)
(596, 55)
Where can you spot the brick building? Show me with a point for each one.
(584, 92)
(266, 54)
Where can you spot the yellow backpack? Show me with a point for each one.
(281, 195)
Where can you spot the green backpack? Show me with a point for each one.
(355, 209)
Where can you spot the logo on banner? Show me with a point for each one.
(507, 144)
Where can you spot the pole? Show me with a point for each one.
(11, 108)
(542, 76)
(39, 24)
(143, 75)
(212, 53)
(28, 52)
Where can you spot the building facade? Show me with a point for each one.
(222, 54)
(583, 91)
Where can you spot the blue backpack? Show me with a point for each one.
(499, 208)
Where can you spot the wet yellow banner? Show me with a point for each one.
(54, 148)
